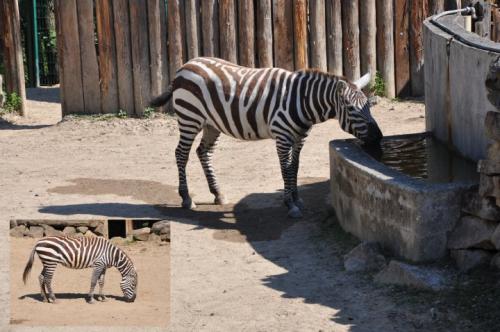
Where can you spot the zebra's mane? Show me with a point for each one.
(336, 78)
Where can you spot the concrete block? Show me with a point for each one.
(420, 277)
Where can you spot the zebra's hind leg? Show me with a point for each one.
(101, 296)
(295, 168)
(49, 273)
(188, 133)
(95, 276)
(204, 152)
(41, 279)
(284, 148)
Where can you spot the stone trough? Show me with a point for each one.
(410, 217)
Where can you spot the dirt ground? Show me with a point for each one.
(240, 267)
(151, 307)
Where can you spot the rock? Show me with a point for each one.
(13, 223)
(495, 238)
(82, 229)
(154, 237)
(77, 235)
(144, 230)
(51, 231)
(482, 207)
(364, 257)
(118, 240)
(398, 273)
(18, 231)
(165, 237)
(495, 261)
(89, 233)
(69, 230)
(141, 237)
(472, 232)
(100, 229)
(488, 167)
(35, 231)
(159, 225)
(489, 186)
(492, 125)
(467, 260)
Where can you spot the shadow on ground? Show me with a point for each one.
(68, 296)
(6, 125)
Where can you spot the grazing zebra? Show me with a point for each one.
(217, 96)
(80, 253)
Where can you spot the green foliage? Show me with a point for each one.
(12, 103)
(148, 112)
(121, 114)
(378, 88)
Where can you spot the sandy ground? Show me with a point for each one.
(240, 267)
(151, 307)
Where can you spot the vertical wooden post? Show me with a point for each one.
(402, 47)
(496, 25)
(10, 37)
(157, 46)
(385, 45)
(436, 6)
(210, 27)
(264, 33)
(246, 33)
(90, 67)
(419, 11)
(368, 37)
(175, 49)
(70, 66)
(192, 14)
(283, 33)
(350, 27)
(318, 34)
(227, 28)
(123, 56)
(300, 34)
(334, 40)
(139, 41)
(107, 56)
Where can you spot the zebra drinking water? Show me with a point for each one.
(217, 96)
(80, 253)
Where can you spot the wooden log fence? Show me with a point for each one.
(116, 54)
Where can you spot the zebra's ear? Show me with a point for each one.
(363, 81)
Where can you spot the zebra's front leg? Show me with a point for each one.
(101, 296)
(95, 276)
(187, 137)
(204, 152)
(284, 148)
(295, 166)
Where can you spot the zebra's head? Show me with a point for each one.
(354, 111)
(129, 286)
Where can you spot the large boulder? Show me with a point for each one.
(18, 231)
(51, 231)
(100, 229)
(472, 232)
(35, 232)
(161, 227)
(364, 257)
(89, 233)
(425, 278)
(82, 229)
(141, 234)
(468, 260)
(69, 230)
(482, 207)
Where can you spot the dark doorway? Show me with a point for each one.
(116, 228)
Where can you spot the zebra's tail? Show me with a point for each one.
(27, 269)
(162, 99)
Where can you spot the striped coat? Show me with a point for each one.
(80, 253)
(216, 96)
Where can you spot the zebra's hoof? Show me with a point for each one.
(90, 300)
(102, 298)
(294, 212)
(220, 200)
(299, 203)
(188, 204)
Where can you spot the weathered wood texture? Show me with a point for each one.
(402, 47)
(192, 19)
(385, 45)
(496, 25)
(10, 38)
(368, 37)
(300, 33)
(318, 34)
(435, 6)
(334, 40)
(227, 28)
(176, 49)
(210, 27)
(283, 33)
(264, 33)
(418, 12)
(350, 27)
(246, 34)
(158, 46)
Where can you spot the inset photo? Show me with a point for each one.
(90, 272)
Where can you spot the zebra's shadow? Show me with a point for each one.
(68, 296)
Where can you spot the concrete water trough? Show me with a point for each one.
(406, 194)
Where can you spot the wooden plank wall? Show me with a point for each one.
(129, 51)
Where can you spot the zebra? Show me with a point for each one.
(79, 253)
(216, 96)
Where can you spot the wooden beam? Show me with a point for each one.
(283, 33)
(210, 27)
(385, 45)
(368, 37)
(334, 33)
(123, 57)
(418, 13)
(318, 34)
(90, 66)
(264, 33)
(435, 6)
(10, 38)
(350, 40)
(402, 47)
(300, 34)
(157, 46)
(175, 50)
(192, 39)
(227, 29)
(246, 33)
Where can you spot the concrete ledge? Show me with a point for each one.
(409, 217)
